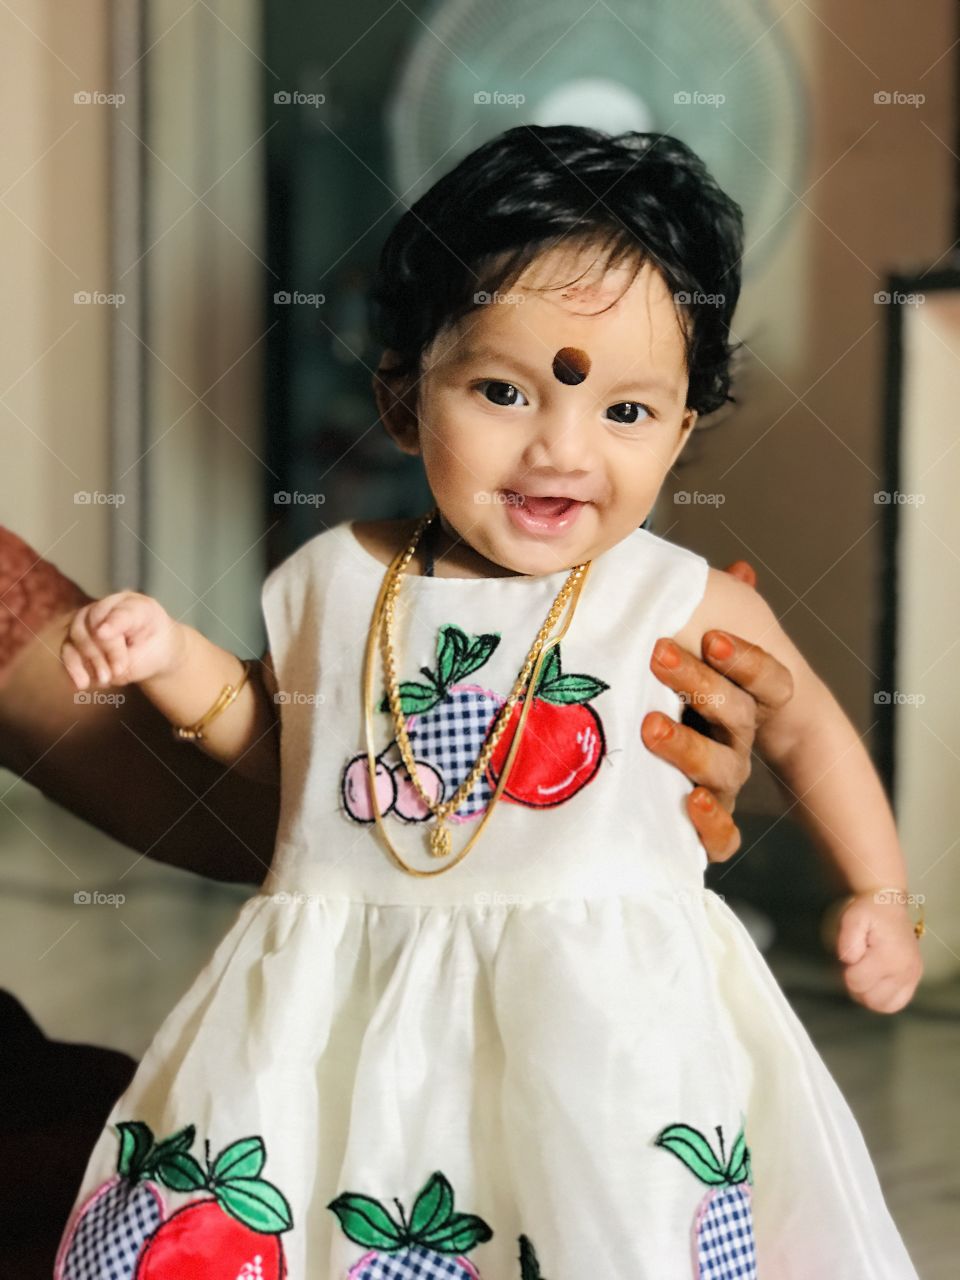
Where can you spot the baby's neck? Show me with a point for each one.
(455, 558)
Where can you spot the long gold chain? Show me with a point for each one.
(382, 628)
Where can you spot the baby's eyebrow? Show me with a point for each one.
(465, 356)
(474, 355)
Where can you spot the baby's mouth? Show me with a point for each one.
(544, 507)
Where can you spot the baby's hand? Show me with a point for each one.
(879, 949)
(122, 638)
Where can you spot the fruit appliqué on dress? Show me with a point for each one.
(722, 1238)
(433, 1242)
(123, 1231)
(447, 721)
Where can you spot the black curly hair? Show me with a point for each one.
(637, 196)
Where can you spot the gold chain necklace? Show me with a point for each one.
(381, 628)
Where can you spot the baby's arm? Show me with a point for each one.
(128, 638)
(244, 734)
(818, 756)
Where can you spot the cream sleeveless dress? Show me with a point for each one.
(563, 1057)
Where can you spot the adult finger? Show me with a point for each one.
(719, 834)
(755, 670)
(708, 763)
(730, 709)
(743, 570)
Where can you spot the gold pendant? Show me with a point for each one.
(440, 844)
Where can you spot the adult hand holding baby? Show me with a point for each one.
(734, 687)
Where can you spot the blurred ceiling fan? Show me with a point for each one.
(720, 74)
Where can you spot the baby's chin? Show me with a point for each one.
(537, 554)
(589, 539)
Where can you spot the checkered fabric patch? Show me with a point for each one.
(725, 1245)
(415, 1263)
(110, 1232)
(450, 737)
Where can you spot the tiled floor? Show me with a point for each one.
(108, 975)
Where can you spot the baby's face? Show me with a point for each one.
(533, 397)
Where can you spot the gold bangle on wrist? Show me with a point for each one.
(902, 895)
(194, 732)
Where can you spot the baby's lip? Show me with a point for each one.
(559, 493)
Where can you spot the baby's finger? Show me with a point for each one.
(852, 935)
(865, 974)
(115, 651)
(100, 609)
(114, 633)
(882, 997)
(88, 648)
(898, 998)
(74, 665)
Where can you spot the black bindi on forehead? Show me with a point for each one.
(571, 366)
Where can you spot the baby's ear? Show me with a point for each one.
(396, 397)
(687, 423)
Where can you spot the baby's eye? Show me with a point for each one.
(493, 382)
(630, 406)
